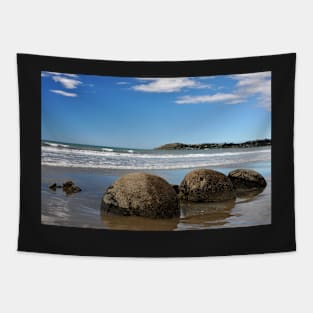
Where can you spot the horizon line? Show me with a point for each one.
(210, 143)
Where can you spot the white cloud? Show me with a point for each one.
(218, 97)
(68, 83)
(202, 86)
(251, 77)
(206, 77)
(146, 78)
(167, 85)
(247, 85)
(164, 84)
(122, 83)
(59, 74)
(70, 75)
(64, 93)
(52, 73)
(255, 84)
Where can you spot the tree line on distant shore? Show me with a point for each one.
(246, 144)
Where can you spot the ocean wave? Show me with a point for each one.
(66, 157)
(141, 167)
(52, 144)
(107, 153)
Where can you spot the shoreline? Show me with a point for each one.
(113, 159)
(83, 209)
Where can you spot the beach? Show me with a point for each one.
(94, 169)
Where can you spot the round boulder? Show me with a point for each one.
(204, 185)
(247, 179)
(141, 194)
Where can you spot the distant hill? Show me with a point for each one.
(201, 146)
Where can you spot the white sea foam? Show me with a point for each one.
(107, 158)
(140, 167)
(112, 153)
(52, 144)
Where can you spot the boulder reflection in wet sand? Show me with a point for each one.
(116, 222)
(205, 213)
(248, 194)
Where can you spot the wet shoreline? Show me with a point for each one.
(83, 209)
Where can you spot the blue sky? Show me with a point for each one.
(148, 112)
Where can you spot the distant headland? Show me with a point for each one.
(202, 146)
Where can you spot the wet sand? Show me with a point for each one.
(83, 209)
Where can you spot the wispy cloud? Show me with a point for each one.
(167, 85)
(218, 97)
(206, 77)
(122, 83)
(51, 73)
(70, 75)
(64, 93)
(58, 74)
(258, 84)
(66, 82)
(247, 85)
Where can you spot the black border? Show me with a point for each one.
(277, 237)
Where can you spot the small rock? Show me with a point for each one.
(68, 184)
(53, 186)
(69, 187)
(76, 189)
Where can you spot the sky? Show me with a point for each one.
(149, 112)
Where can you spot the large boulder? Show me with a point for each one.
(204, 185)
(141, 194)
(245, 179)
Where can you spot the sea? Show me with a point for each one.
(103, 157)
(95, 168)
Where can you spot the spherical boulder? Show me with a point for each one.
(141, 194)
(244, 179)
(204, 185)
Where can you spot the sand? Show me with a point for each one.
(83, 209)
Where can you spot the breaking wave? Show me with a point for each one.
(67, 155)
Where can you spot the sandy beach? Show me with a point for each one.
(97, 128)
(84, 209)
